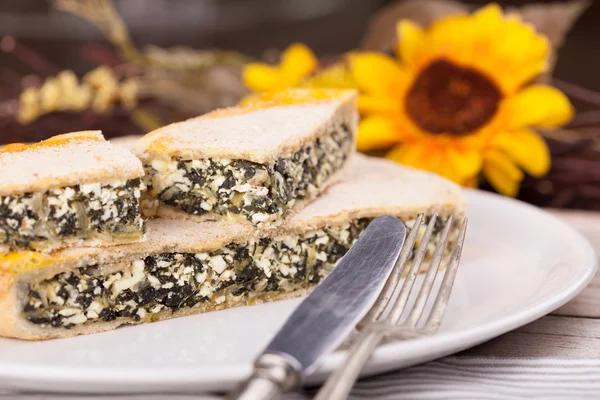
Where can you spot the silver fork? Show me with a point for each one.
(384, 318)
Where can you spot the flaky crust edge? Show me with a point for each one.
(144, 147)
(131, 169)
(100, 240)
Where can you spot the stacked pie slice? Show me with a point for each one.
(239, 206)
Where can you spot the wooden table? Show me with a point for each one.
(571, 331)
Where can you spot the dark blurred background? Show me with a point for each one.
(250, 26)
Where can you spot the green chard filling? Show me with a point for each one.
(31, 220)
(260, 193)
(168, 282)
(172, 281)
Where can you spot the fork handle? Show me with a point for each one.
(339, 384)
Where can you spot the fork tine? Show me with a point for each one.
(409, 281)
(390, 286)
(339, 384)
(427, 285)
(441, 301)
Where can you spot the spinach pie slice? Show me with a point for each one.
(187, 267)
(254, 163)
(70, 190)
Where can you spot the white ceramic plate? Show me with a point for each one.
(519, 263)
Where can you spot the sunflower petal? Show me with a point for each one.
(261, 77)
(373, 104)
(471, 182)
(425, 157)
(377, 73)
(376, 133)
(412, 155)
(487, 22)
(335, 76)
(297, 62)
(466, 163)
(410, 39)
(489, 14)
(527, 149)
(502, 173)
(521, 54)
(540, 106)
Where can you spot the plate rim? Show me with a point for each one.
(125, 379)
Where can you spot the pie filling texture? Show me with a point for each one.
(243, 189)
(167, 282)
(35, 220)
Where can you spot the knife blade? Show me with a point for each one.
(325, 318)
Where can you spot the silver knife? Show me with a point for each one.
(325, 318)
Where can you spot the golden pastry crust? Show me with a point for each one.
(268, 127)
(58, 140)
(93, 239)
(64, 160)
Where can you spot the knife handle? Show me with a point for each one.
(273, 374)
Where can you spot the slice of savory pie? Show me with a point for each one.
(72, 189)
(186, 267)
(252, 163)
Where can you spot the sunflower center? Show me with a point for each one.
(446, 98)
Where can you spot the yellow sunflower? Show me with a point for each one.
(297, 62)
(461, 99)
(298, 67)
